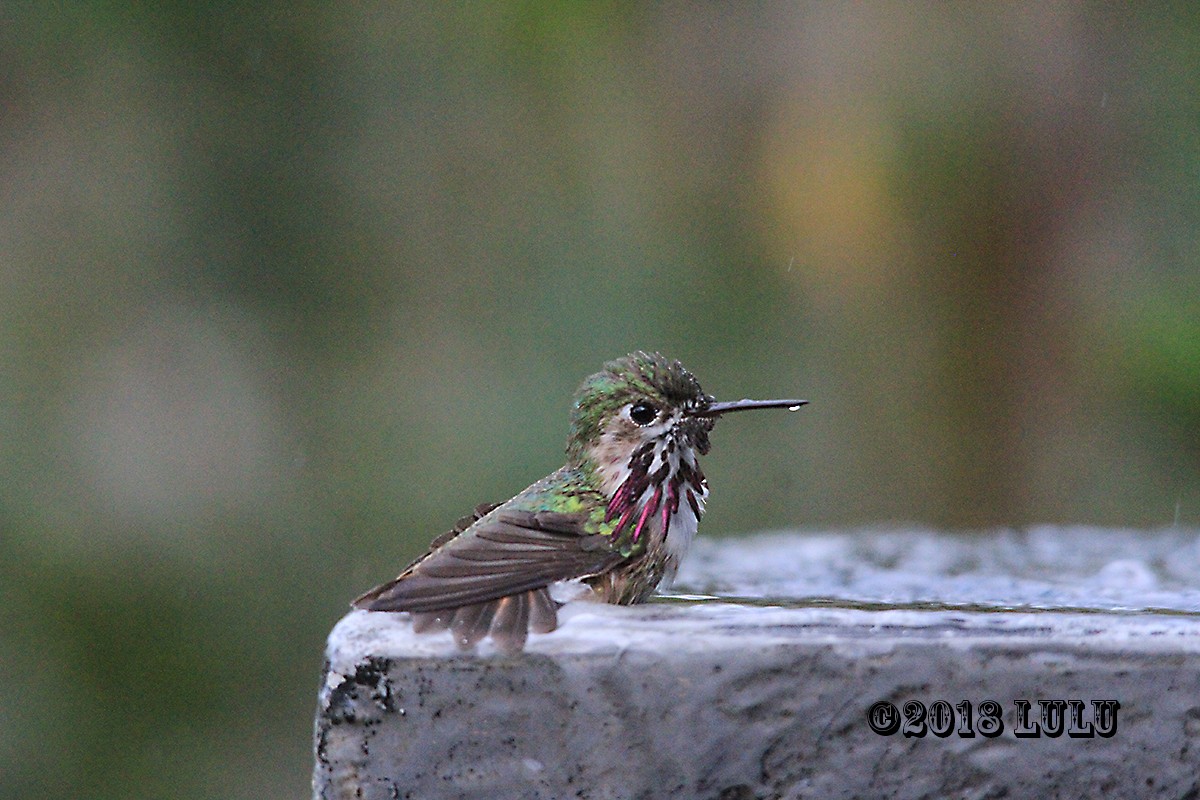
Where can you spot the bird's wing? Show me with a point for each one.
(507, 551)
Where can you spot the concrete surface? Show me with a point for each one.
(770, 698)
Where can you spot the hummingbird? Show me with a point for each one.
(615, 520)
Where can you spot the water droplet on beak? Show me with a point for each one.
(793, 408)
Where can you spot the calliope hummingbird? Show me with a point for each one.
(617, 518)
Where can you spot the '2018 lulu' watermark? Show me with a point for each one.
(1052, 718)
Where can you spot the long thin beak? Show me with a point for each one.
(717, 409)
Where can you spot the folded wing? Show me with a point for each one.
(493, 576)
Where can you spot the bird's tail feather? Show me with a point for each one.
(508, 620)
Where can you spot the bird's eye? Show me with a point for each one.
(642, 413)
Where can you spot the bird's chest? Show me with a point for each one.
(636, 579)
(668, 543)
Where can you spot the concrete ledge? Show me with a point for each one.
(732, 701)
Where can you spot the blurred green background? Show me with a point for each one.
(287, 288)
